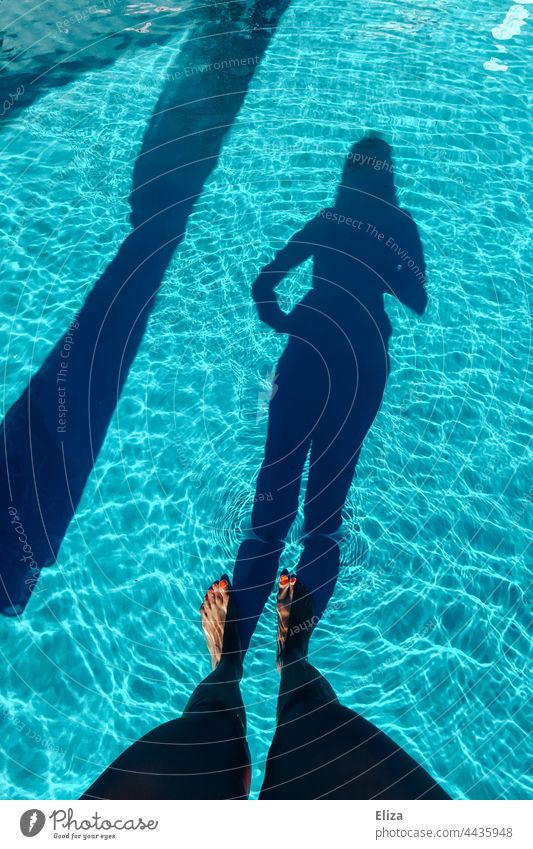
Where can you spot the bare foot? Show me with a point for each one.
(219, 623)
(295, 619)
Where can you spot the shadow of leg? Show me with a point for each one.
(253, 578)
(318, 569)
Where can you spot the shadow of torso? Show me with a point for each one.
(341, 323)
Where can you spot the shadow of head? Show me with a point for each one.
(368, 173)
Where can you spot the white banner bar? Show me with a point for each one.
(297, 825)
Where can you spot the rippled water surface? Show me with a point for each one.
(427, 632)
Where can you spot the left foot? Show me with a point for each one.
(219, 623)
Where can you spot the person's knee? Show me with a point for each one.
(272, 533)
(317, 525)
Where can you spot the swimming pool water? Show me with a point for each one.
(427, 632)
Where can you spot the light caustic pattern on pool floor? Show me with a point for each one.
(426, 632)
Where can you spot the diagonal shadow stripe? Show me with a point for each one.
(46, 44)
(49, 452)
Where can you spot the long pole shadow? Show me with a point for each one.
(53, 433)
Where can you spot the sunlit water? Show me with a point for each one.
(426, 634)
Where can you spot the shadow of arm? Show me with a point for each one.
(296, 251)
(408, 282)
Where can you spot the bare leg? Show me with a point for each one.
(322, 749)
(204, 754)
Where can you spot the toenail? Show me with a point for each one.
(284, 580)
(223, 583)
(293, 580)
(215, 585)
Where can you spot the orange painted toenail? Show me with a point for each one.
(284, 580)
(223, 583)
(215, 585)
(211, 591)
(293, 580)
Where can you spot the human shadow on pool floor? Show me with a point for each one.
(331, 377)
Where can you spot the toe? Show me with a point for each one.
(292, 586)
(295, 587)
(284, 584)
(224, 591)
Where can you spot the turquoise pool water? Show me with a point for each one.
(427, 633)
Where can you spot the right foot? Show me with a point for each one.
(219, 622)
(295, 619)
